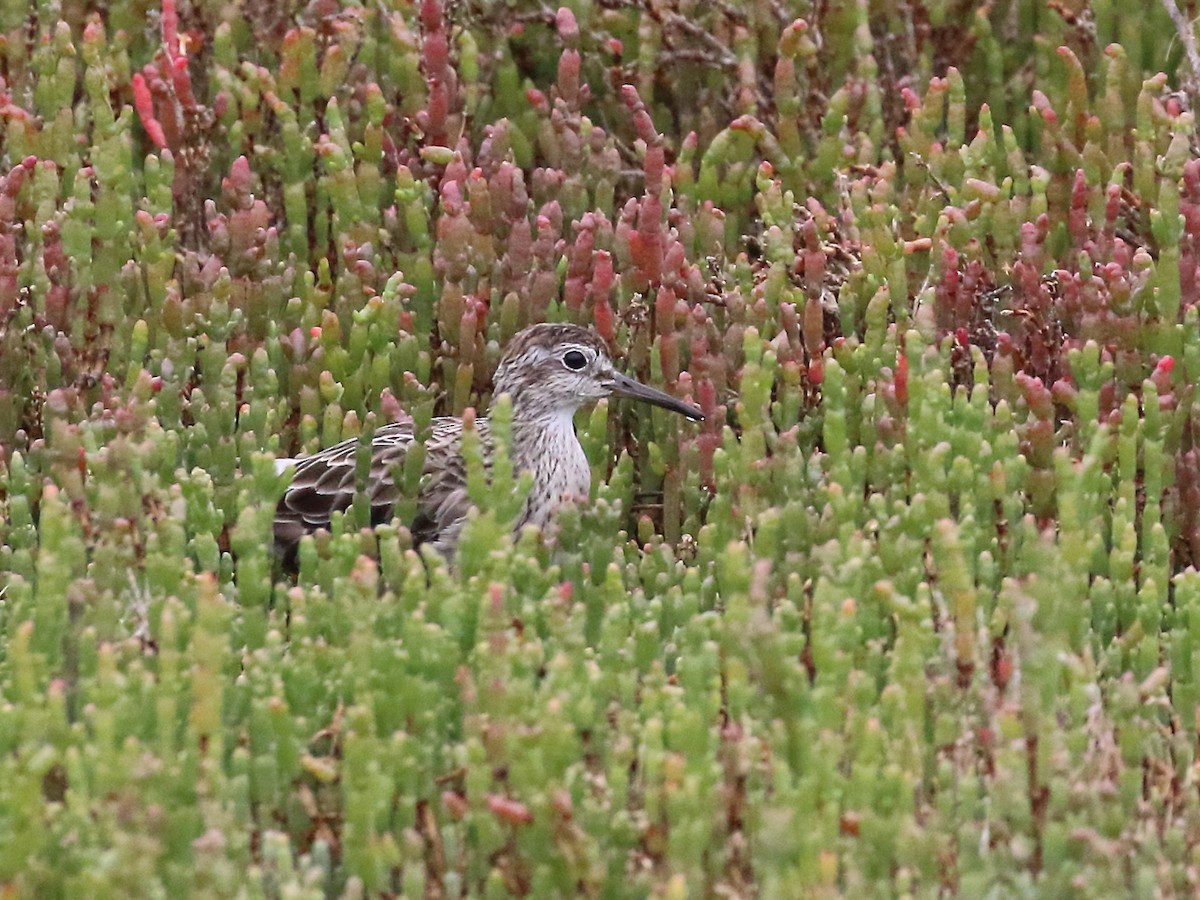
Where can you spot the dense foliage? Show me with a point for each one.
(913, 611)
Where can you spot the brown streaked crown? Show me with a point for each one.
(551, 334)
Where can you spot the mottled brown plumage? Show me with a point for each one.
(548, 371)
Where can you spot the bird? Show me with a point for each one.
(548, 371)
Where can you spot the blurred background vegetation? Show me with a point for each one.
(914, 612)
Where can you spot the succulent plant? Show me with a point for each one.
(912, 612)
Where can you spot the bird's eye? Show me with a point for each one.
(574, 360)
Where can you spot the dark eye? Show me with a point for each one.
(575, 360)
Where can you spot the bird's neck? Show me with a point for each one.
(540, 430)
(544, 445)
(528, 423)
(530, 415)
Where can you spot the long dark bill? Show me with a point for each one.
(624, 386)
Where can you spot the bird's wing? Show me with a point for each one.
(325, 483)
(443, 504)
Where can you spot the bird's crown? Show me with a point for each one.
(549, 336)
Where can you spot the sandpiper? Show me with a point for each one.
(549, 371)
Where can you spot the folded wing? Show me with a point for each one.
(325, 483)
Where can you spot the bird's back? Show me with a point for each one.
(326, 482)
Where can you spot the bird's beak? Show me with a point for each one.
(623, 386)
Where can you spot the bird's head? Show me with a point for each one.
(550, 369)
